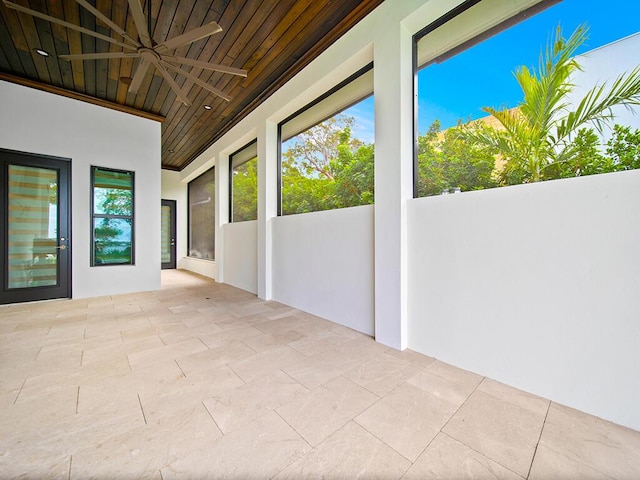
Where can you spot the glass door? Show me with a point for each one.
(35, 227)
(168, 229)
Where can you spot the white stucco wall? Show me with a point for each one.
(323, 264)
(241, 255)
(39, 122)
(536, 286)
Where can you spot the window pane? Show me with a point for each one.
(112, 241)
(244, 184)
(330, 165)
(112, 217)
(113, 192)
(476, 126)
(202, 216)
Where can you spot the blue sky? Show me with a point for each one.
(483, 75)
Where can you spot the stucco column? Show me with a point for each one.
(222, 210)
(267, 204)
(393, 79)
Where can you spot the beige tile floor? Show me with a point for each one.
(202, 380)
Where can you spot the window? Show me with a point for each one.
(327, 148)
(483, 71)
(112, 208)
(201, 194)
(243, 184)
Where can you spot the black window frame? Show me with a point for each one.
(95, 215)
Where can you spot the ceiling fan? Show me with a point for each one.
(150, 54)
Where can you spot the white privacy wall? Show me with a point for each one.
(240, 255)
(323, 264)
(39, 122)
(536, 286)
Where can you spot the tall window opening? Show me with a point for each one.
(327, 148)
(201, 193)
(243, 184)
(503, 94)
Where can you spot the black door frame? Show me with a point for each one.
(172, 219)
(63, 287)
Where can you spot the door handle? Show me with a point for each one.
(62, 247)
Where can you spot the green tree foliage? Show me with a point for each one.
(546, 138)
(245, 191)
(447, 162)
(326, 168)
(624, 148)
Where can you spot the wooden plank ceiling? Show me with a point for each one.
(271, 39)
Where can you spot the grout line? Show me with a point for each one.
(203, 342)
(129, 363)
(465, 401)
(81, 357)
(183, 374)
(77, 399)
(144, 417)
(84, 333)
(214, 420)
(239, 377)
(70, 463)
(275, 410)
(39, 352)
(539, 438)
(21, 387)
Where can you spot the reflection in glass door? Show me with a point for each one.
(35, 224)
(168, 229)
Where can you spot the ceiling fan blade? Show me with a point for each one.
(172, 83)
(141, 22)
(197, 81)
(207, 66)
(191, 36)
(98, 56)
(96, 13)
(139, 75)
(71, 26)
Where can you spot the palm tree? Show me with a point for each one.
(540, 132)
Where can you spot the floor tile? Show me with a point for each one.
(526, 400)
(214, 357)
(448, 458)
(591, 441)
(263, 364)
(258, 450)
(320, 412)
(382, 374)
(407, 419)
(446, 381)
(238, 406)
(351, 452)
(551, 464)
(502, 431)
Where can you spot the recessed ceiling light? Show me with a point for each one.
(39, 51)
(172, 151)
(207, 107)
